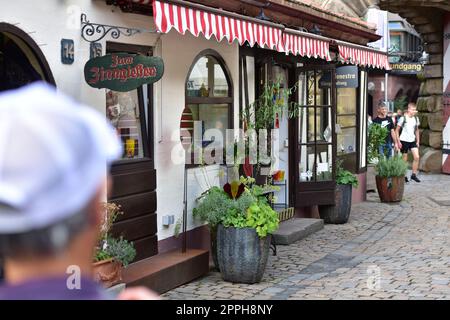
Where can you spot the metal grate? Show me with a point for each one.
(286, 214)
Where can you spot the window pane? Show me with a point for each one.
(347, 121)
(213, 116)
(207, 79)
(324, 162)
(323, 125)
(306, 86)
(323, 87)
(346, 101)
(122, 110)
(346, 140)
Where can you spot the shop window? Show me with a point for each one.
(129, 112)
(346, 127)
(207, 79)
(123, 111)
(315, 126)
(208, 100)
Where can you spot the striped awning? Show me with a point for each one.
(195, 18)
(363, 56)
(220, 25)
(307, 45)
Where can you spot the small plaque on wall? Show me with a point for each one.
(95, 50)
(67, 51)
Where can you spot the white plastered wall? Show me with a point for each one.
(47, 22)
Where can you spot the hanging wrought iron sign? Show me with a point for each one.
(123, 71)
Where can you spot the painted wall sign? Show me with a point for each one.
(406, 67)
(67, 51)
(346, 77)
(122, 71)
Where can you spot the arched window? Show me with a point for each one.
(209, 95)
(21, 60)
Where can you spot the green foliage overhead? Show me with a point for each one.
(391, 167)
(401, 103)
(377, 137)
(250, 210)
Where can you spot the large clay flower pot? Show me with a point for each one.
(107, 272)
(241, 254)
(390, 189)
(339, 212)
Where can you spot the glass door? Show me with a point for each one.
(314, 135)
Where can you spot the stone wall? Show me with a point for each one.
(428, 21)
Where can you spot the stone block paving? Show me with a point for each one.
(385, 251)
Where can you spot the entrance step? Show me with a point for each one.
(296, 229)
(168, 270)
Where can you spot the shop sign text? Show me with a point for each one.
(122, 71)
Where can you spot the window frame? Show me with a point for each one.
(229, 100)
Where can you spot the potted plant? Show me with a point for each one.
(377, 137)
(340, 212)
(244, 222)
(111, 254)
(390, 178)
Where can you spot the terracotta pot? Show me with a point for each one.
(107, 272)
(390, 189)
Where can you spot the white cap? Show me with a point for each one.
(54, 154)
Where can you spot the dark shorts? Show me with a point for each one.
(406, 146)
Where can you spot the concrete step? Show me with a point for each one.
(296, 229)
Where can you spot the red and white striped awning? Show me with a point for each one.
(303, 44)
(221, 25)
(363, 56)
(195, 18)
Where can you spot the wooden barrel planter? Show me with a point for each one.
(241, 254)
(340, 212)
(390, 189)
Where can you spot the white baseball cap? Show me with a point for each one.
(54, 154)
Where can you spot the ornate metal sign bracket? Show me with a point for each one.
(94, 32)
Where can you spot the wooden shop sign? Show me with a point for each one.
(122, 71)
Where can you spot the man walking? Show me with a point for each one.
(386, 122)
(410, 138)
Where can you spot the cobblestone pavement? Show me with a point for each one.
(396, 251)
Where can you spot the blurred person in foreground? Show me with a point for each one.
(54, 156)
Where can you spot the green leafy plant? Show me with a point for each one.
(391, 167)
(344, 176)
(120, 250)
(377, 137)
(274, 101)
(249, 210)
(108, 247)
(401, 103)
